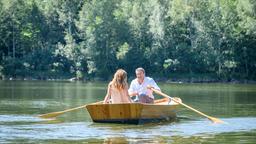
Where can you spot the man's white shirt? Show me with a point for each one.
(142, 88)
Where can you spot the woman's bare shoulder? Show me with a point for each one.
(110, 84)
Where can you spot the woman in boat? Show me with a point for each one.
(118, 89)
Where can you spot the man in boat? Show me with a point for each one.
(139, 88)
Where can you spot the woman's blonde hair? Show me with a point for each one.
(120, 79)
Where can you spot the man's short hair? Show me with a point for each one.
(140, 69)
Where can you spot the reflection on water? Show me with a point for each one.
(21, 102)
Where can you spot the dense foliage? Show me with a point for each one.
(212, 39)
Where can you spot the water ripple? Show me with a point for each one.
(35, 129)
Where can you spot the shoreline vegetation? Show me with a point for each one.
(158, 79)
(173, 40)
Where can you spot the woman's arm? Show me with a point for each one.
(127, 94)
(107, 97)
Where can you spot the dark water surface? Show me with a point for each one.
(22, 101)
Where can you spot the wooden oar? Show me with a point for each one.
(55, 114)
(213, 119)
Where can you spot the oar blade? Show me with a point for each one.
(216, 120)
(50, 115)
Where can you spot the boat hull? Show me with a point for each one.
(133, 113)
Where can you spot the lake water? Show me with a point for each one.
(22, 101)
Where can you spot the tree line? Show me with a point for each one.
(87, 39)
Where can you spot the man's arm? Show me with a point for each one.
(154, 85)
(131, 94)
(132, 91)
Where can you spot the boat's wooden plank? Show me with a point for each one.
(115, 111)
(132, 112)
(163, 100)
(158, 111)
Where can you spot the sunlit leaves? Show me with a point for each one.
(122, 50)
(170, 63)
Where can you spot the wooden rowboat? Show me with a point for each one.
(133, 113)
